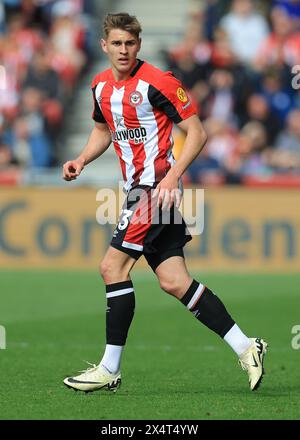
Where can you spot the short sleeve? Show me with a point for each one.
(170, 96)
(97, 113)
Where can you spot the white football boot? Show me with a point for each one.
(93, 379)
(252, 361)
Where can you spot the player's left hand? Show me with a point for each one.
(167, 191)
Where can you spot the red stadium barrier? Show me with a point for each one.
(279, 181)
(10, 177)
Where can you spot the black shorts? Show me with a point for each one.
(144, 229)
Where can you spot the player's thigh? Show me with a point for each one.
(116, 265)
(173, 276)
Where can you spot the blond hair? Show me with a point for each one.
(122, 21)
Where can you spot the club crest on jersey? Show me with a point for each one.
(135, 98)
(181, 95)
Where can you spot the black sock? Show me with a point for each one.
(119, 312)
(207, 308)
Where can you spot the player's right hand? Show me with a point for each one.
(72, 169)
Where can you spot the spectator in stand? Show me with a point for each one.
(286, 156)
(222, 53)
(279, 97)
(190, 60)
(289, 139)
(205, 170)
(194, 43)
(252, 149)
(28, 40)
(258, 109)
(231, 94)
(220, 102)
(292, 7)
(6, 158)
(222, 140)
(67, 39)
(41, 72)
(250, 156)
(14, 65)
(41, 76)
(28, 138)
(246, 29)
(187, 70)
(16, 50)
(282, 47)
(214, 10)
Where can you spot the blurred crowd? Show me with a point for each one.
(240, 61)
(45, 45)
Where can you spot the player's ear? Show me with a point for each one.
(140, 43)
(103, 45)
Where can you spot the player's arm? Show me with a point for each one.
(98, 142)
(195, 140)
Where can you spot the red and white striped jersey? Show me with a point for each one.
(140, 112)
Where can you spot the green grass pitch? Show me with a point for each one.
(173, 367)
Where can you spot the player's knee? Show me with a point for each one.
(103, 269)
(107, 271)
(171, 285)
(112, 273)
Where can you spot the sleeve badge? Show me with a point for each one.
(181, 95)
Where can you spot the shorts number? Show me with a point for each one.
(126, 213)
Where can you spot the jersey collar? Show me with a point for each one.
(120, 84)
(137, 67)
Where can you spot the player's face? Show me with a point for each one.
(122, 49)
